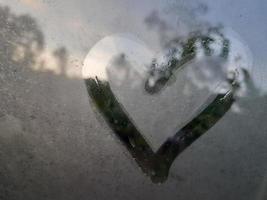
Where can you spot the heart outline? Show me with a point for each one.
(156, 165)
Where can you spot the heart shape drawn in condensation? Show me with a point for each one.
(155, 164)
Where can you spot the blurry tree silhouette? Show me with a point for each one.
(62, 56)
(21, 41)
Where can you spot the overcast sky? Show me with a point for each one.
(79, 24)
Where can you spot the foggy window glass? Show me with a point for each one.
(117, 99)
